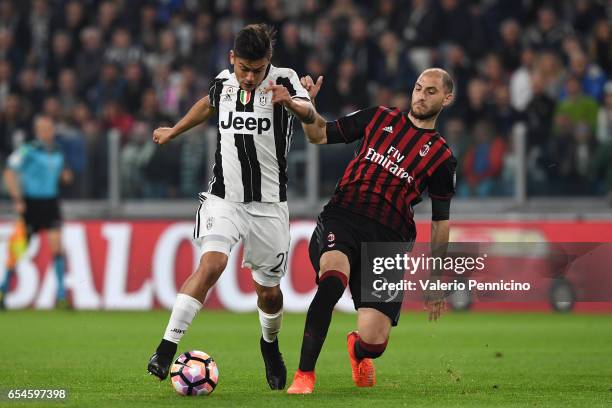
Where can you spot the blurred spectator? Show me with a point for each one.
(32, 93)
(587, 12)
(456, 137)
(421, 28)
(456, 22)
(394, 69)
(600, 46)
(6, 83)
(73, 20)
(510, 47)
(116, 118)
(121, 50)
(8, 52)
(13, 125)
(482, 163)
(360, 49)
(539, 114)
(135, 156)
(504, 114)
(604, 117)
(479, 105)
(591, 76)
(135, 85)
(35, 31)
(389, 17)
(324, 46)
(148, 27)
(220, 51)
(166, 52)
(61, 56)
(459, 67)
(548, 33)
(67, 90)
(290, 51)
(493, 72)
(107, 19)
(520, 81)
(110, 87)
(89, 59)
(348, 92)
(549, 66)
(572, 151)
(578, 107)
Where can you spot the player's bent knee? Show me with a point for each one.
(270, 298)
(334, 261)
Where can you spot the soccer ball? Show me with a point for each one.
(194, 373)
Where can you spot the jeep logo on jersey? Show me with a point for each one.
(425, 149)
(241, 121)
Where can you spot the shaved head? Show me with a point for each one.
(447, 81)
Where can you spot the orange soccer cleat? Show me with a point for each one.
(364, 372)
(303, 383)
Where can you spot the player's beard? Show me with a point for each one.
(431, 113)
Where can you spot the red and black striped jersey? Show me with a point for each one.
(393, 165)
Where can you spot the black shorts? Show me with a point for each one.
(41, 214)
(341, 230)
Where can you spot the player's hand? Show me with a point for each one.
(434, 304)
(162, 135)
(19, 206)
(280, 94)
(67, 176)
(311, 87)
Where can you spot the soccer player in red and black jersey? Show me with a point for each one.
(400, 155)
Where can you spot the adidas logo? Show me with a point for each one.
(388, 129)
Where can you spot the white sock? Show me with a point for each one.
(184, 310)
(270, 324)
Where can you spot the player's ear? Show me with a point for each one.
(232, 57)
(448, 99)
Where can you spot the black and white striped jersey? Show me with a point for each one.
(253, 138)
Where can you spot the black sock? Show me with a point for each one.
(167, 348)
(331, 287)
(367, 350)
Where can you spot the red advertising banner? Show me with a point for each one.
(139, 265)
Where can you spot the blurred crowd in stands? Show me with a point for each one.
(133, 65)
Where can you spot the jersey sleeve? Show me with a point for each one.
(351, 127)
(442, 181)
(442, 188)
(296, 90)
(16, 159)
(216, 87)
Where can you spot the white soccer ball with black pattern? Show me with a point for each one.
(194, 373)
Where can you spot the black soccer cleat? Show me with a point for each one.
(159, 365)
(276, 372)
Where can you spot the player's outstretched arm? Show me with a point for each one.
(316, 130)
(434, 301)
(200, 112)
(302, 108)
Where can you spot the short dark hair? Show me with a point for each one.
(254, 42)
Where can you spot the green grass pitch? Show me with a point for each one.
(477, 359)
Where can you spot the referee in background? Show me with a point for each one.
(32, 178)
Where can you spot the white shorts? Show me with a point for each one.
(263, 227)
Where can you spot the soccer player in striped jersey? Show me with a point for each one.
(247, 196)
(400, 155)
